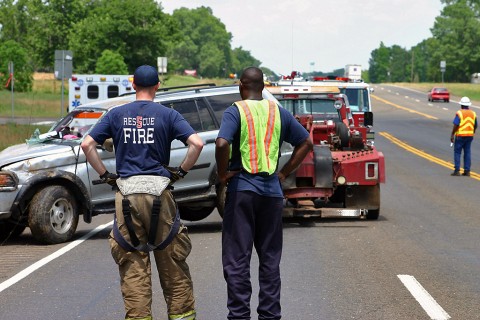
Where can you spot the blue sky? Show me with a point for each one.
(291, 35)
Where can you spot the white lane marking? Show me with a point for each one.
(37, 265)
(431, 307)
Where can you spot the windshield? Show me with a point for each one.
(357, 98)
(321, 109)
(73, 127)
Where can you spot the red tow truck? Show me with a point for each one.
(343, 173)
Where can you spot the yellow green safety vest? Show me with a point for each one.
(467, 123)
(260, 127)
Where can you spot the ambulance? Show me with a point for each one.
(86, 88)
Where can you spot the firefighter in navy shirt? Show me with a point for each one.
(146, 217)
(255, 128)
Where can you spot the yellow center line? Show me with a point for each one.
(403, 108)
(424, 155)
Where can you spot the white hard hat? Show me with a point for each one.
(465, 101)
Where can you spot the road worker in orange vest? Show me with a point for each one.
(464, 126)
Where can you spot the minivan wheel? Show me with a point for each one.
(9, 230)
(191, 213)
(221, 195)
(53, 216)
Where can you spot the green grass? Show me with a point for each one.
(13, 133)
(35, 104)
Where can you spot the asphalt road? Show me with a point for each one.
(420, 260)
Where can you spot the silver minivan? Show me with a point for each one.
(46, 183)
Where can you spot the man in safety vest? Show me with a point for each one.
(146, 217)
(255, 128)
(464, 126)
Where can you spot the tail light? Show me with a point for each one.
(371, 171)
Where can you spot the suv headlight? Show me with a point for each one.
(8, 181)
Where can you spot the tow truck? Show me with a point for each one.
(357, 91)
(343, 173)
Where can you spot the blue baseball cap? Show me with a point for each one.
(145, 76)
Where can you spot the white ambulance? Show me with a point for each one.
(85, 88)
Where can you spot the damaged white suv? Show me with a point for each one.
(46, 184)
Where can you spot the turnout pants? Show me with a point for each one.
(252, 220)
(135, 266)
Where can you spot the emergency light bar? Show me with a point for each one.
(302, 89)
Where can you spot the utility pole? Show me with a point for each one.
(12, 80)
(411, 72)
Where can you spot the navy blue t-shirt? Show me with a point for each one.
(291, 131)
(142, 133)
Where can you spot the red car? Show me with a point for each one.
(439, 94)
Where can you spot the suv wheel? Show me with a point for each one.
(53, 216)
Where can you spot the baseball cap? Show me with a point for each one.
(145, 76)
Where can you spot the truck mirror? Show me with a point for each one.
(368, 118)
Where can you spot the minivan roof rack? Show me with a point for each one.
(188, 86)
(177, 87)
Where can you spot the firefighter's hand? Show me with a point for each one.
(176, 174)
(110, 178)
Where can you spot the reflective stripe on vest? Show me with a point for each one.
(260, 126)
(467, 123)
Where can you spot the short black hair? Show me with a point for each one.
(252, 78)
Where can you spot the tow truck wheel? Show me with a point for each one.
(53, 216)
(373, 214)
(343, 133)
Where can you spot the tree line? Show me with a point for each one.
(455, 40)
(114, 37)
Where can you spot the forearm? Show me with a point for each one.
(195, 146)
(222, 155)
(91, 153)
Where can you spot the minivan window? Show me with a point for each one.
(195, 111)
(222, 102)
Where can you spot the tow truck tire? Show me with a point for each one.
(373, 214)
(53, 216)
(343, 133)
(191, 213)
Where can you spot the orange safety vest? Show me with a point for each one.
(259, 135)
(466, 128)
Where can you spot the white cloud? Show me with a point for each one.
(289, 35)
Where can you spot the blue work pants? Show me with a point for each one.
(251, 219)
(465, 144)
